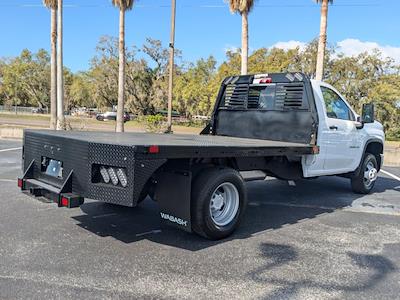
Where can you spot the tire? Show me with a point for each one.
(364, 181)
(218, 202)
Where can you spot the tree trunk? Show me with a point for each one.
(245, 42)
(60, 75)
(322, 41)
(53, 92)
(171, 66)
(121, 73)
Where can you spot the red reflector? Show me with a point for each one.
(64, 201)
(20, 183)
(266, 80)
(315, 150)
(154, 149)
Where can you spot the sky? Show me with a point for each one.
(203, 27)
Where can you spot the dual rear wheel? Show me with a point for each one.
(219, 199)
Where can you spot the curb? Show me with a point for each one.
(11, 132)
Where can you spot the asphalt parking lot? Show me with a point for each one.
(314, 240)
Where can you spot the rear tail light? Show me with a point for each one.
(20, 183)
(71, 201)
(104, 174)
(122, 177)
(154, 149)
(113, 176)
(64, 202)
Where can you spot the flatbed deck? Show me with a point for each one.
(182, 145)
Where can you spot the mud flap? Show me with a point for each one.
(173, 196)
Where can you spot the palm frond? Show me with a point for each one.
(52, 4)
(240, 6)
(320, 1)
(123, 4)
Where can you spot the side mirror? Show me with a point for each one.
(368, 113)
(359, 123)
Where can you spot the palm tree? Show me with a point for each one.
(243, 7)
(322, 38)
(52, 5)
(123, 6)
(171, 66)
(60, 68)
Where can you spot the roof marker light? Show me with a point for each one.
(266, 80)
(258, 76)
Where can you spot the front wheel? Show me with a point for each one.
(364, 181)
(218, 202)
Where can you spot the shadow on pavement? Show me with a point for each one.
(272, 204)
(369, 271)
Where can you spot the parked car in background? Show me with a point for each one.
(38, 110)
(164, 113)
(84, 112)
(112, 115)
(201, 118)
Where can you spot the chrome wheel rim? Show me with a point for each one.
(224, 204)
(370, 174)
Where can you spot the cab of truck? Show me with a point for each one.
(344, 137)
(290, 107)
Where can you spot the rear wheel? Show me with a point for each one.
(218, 202)
(364, 181)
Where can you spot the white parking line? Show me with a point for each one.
(8, 180)
(391, 175)
(299, 205)
(10, 149)
(149, 232)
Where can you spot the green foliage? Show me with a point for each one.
(25, 80)
(240, 6)
(194, 91)
(81, 91)
(155, 123)
(123, 4)
(146, 82)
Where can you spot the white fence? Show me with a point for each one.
(23, 110)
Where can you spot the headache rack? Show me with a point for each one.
(277, 106)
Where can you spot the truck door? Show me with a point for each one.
(340, 134)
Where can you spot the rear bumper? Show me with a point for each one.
(39, 189)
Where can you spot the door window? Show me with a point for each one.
(336, 108)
